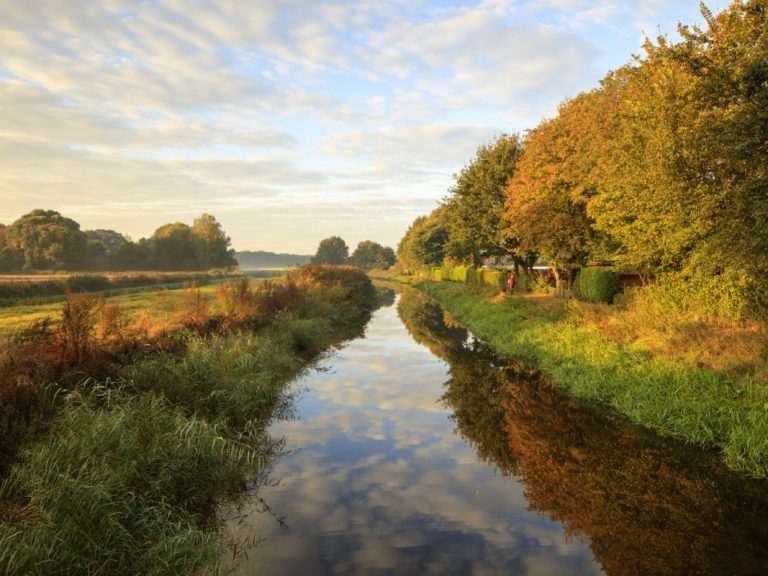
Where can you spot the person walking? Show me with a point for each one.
(511, 283)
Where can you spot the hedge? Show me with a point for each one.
(464, 275)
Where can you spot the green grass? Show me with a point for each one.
(120, 489)
(696, 405)
(162, 303)
(234, 378)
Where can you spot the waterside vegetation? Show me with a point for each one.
(121, 440)
(721, 407)
(647, 505)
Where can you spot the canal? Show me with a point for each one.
(415, 450)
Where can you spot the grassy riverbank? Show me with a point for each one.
(134, 441)
(701, 406)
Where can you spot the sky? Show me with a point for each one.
(288, 120)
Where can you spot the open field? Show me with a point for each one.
(50, 275)
(162, 304)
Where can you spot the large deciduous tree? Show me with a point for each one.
(212, 245)
(369, 255)
(475, 204)
(10, 258)
(423, 245)
(46, 239)
(726, 65)
(103, 245)
(546, 197)
(649, 199)
(331, 250)
(174, 247)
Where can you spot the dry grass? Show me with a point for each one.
(738, 349)
(40, 277)
(162, 306)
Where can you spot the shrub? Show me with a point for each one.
(78, 319)
(236, 301)
(596, 284)
(87, 283)
(109, 321)
(350, 284)
(195, 307)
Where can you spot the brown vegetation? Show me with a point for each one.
(92, 338)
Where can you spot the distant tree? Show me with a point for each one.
(102, 246)
(369, 255)
(108, 240)
(423, 245)
(212, 245)
(331, 250)
(475, 204)
(10, 258)
(46, 239)
(133, 256)
(174, 247)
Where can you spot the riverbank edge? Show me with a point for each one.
(697, 406)
(182, 431)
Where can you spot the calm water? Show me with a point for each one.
(418, 452)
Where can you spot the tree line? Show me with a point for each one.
(368, 255)
(662, 169)
(46, 240)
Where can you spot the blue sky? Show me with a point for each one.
(290, 121)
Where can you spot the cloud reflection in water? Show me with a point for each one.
(379, 482)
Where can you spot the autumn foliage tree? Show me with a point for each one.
(546, 197)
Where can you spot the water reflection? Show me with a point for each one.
(649, 506)
(396, 471)
(379, 483)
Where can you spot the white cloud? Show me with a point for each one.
(282, 112)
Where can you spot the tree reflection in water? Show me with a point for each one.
(649, 506)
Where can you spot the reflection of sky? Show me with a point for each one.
(377, 481)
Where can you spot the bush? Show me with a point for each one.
(347, 283)
(464, 275)
(87, 283)
(596, 284)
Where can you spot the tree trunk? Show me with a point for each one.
(556, 274)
